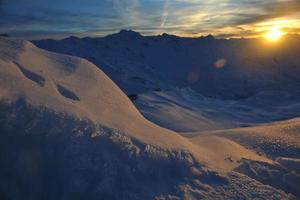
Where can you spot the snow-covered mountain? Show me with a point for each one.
(230, 69)
(193, 84)
(68, 132)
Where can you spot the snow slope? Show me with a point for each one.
(185, 110)
(68, 132)
(71, 85)
(279, 141)
(230, 83)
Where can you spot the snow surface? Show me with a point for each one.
(185, 110)
(68, 132)
(74, 86)
(279, 141)
(195, 84)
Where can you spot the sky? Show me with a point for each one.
(35, 19)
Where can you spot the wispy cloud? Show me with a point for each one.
(35, 18)
(165, 13)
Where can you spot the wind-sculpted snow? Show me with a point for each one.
(44, 153)
(68, 132)
(74, 86)
(50, 155)
(32, 76)
(67, 93)
(279, 141)
(274, 175)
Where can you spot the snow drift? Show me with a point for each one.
(68, 132)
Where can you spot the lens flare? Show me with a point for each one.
(220, 63)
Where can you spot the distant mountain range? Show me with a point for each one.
(193, 84)
(219, 68)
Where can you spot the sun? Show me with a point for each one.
(274, 35)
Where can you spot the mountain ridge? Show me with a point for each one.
(156, 69)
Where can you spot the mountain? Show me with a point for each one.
(211, 83)
(68, 132)
(226, 69)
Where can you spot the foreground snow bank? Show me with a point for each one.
(46, 153)
(50, 155)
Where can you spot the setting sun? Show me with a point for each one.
(274, 35)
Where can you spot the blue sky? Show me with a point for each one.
(32, 19)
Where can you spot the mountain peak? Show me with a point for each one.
(166, 35)
(209, 37)
(127, 34)
(72, 38)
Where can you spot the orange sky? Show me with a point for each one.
(32, 19)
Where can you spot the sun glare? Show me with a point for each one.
(274, 35)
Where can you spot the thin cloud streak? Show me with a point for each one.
(181, 17)
(165, 13)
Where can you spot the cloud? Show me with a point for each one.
(268, 11)
(165, 13)
(183, 17)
